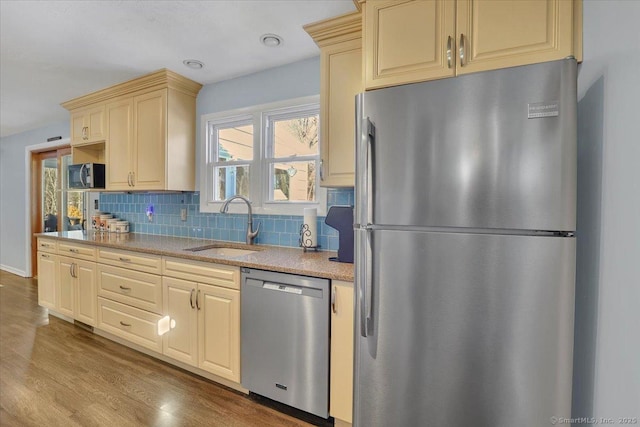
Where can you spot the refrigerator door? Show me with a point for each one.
(487, 150)
(464, 329)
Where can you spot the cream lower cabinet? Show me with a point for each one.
(47, 277)
(207, 317)
(76, 290)
(341, 359)
(130, 299)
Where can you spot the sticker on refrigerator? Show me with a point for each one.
(539, 110)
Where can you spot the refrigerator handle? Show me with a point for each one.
(363, 280)
(365, 134)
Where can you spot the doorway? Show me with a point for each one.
(52, 207)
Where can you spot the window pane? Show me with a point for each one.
(74, 210)
(231, 180)
(294, 181)
(235, 143)
(50, 194)
(296, 137)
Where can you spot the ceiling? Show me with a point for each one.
(53, 51)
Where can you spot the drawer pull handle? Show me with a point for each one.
(44, 255)
(125, 324)
(44, 245)
(75, 251)
(125, 259)
(124, 288)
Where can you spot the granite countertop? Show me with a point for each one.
(273, 258)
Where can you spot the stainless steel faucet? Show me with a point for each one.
(251, 234)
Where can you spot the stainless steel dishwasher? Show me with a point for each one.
(285, 339)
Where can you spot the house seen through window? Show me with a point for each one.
(269, 154)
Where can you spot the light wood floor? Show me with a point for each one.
(53, 373)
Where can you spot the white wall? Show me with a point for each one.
(607, 345)
(13, 218)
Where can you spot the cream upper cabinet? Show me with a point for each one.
(47, 277)
(150, 136)
(495, 34)
(120, 135)
(149, 132)
(341, 381)
(418, 40)
(340, 42)
(408, 41)
(88, 125)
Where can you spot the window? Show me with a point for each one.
(269, 154)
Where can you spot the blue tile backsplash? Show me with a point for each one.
(277, 230)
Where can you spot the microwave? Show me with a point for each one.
(86, 175)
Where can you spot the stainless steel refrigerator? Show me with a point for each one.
(465, 249)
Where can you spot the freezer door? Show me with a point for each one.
(487, 150)
(465, 330)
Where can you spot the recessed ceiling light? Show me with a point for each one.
(271, 40)
(193, 63)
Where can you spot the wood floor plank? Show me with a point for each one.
(56, 374)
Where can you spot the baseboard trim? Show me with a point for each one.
(12, 270)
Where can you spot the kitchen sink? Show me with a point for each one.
(221, 249)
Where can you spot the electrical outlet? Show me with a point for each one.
(183, 214)
(96, 204)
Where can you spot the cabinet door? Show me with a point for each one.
(47, 276)
(95, 119)
(119, 146)
(219, 331)
(86, 292)
(150, 136)
(78, 125)
(341, 392)
(181, 342)
(506, 33)
(341, 80)
(65, 289)
(408, 41)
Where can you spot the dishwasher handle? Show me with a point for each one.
(290, 289)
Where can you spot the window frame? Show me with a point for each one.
(260, 181)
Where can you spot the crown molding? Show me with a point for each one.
(341, 28)
(157, 80)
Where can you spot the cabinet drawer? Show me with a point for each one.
(138, 326)
(202, 272)
(141, 290)
(47, 245)
(77, 251)
(132, 260)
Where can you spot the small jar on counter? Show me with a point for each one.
(103, 221)
(122, 226)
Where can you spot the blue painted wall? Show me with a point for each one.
(278, 230)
